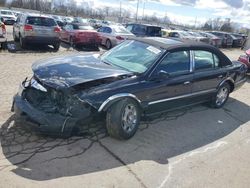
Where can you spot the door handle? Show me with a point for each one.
(187, 82)
(221, 76)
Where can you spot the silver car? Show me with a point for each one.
(35, 28)
(113, 35)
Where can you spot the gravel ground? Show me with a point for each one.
(192, 147)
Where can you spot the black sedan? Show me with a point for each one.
(137, 78)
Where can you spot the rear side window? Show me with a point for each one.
(205, 60)
(107, 30)
(154, 31)
(41, 21)
(175, 63)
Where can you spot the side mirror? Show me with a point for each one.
(161, 75)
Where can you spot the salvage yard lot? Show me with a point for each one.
(192, 147)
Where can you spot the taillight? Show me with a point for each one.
(57, 29)
(28, 28)
(119, 38)
(3, 28)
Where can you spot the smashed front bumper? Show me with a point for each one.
(45, 122)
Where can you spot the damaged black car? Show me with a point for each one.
(137, 78)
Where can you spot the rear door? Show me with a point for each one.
(42, 26)
(207, 74)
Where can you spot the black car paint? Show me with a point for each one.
(86, 83)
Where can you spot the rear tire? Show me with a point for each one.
(221, 96)
(56, 46)
(71, 42)
(108, 44)
(123, 119)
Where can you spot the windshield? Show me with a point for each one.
(133, 56)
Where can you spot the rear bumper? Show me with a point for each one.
(82, 41)
(41, 40)
(2, 39)
(9, 22)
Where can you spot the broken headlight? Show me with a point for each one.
(36, 85)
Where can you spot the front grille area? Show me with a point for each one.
(51, 101)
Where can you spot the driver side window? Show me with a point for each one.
(175, 63)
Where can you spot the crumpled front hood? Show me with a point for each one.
(67, 71)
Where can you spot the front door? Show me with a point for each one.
(170, 83)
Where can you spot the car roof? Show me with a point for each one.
(172, 43)
(37, 15)
(148, 25)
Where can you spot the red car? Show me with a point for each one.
(245, 59)
(80, 34)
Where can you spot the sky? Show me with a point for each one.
(184, 11)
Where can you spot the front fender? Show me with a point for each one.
(114, 98)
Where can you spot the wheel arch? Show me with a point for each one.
(114, 98)
(230, 81)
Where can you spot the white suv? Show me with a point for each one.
(8, 17)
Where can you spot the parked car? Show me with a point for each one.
(138, 77)
(165, 32)
(213, 39)
(36, 28)
(80, 20)
(95, 23)
(8, 16)
(245, 59)
(58, 20)
(144, 30)
(3, 38)
(227, 40)
(183, 35)
(199, 37)
(237, 40)
(68, 19)
(80, 34)
(113, 35)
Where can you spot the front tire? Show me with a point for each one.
(123, 119)
(22, 42)
(221, 96)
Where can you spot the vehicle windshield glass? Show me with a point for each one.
(82, 27)
(41, 21)
(133, 56)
